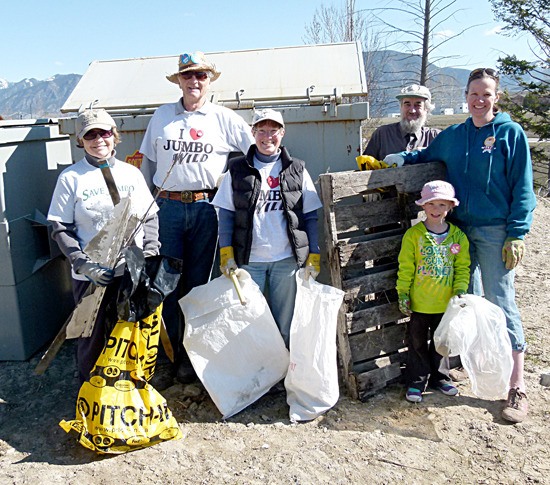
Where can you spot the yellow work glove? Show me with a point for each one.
(312, 266)
(512, 252)
(227, 260)
(367, 162)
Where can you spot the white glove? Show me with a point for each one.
(394, 160)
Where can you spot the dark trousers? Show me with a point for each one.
(424, 365)
(89, 348)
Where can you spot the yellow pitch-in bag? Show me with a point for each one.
(117, 409)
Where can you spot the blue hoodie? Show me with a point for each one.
(491, 170)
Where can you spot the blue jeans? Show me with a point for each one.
(278, 283)
(188, 232)
(490, 277)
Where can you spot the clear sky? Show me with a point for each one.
(40, 38)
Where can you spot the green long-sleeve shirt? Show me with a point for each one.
(431, 273)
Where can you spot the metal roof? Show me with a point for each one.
(308, 74)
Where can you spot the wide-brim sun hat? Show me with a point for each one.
(195, 61)
(91, 118)
(437, 190)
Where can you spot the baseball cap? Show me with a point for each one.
(93, 118)
(268, 114)
(415, 91)
(437, 190)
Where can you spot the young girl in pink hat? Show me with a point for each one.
(434, 265)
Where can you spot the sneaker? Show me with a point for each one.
(516, 406)
(447, 389)
(413, 395)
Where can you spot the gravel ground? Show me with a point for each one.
(384, 440)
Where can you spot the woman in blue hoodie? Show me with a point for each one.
(489, 164)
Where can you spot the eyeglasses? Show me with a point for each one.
(482, 71)
(200, 75)
(92, 134)
(264, 133)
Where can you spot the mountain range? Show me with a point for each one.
(33, 98)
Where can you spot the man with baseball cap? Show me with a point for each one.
(185, 148)
(410, 133)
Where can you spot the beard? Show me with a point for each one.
(413, 126)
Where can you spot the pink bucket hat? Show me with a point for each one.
(437, 190)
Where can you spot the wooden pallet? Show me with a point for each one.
(365, 217)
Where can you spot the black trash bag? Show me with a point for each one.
(145, 284)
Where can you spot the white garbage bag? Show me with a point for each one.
(236, 350)
(312, 379)
(475, 329)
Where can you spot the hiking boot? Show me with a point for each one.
(413, 395)
(163, 378)
(516, 406)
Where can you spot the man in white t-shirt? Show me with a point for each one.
(268, 217)
(185, 150)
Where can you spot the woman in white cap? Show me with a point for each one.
(434, 265)
(82, 202)
(185, 150)
(268, 217)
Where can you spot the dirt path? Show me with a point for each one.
(384, 440)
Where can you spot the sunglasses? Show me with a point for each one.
(92, 134)
(200, 75)
(482, 71)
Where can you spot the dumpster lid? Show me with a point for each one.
(309, 74)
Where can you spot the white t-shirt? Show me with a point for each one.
(81, 197)
(199, 142)
(269, 237)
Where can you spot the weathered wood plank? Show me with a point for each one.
(344, 351)
(370, 250)
(410, 177)
(373, 317)
(370, 283)
(368, 345)
(398, 358)
(373, 214)
(369, 383)
(367, 214)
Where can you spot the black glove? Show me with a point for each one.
(97, 274)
